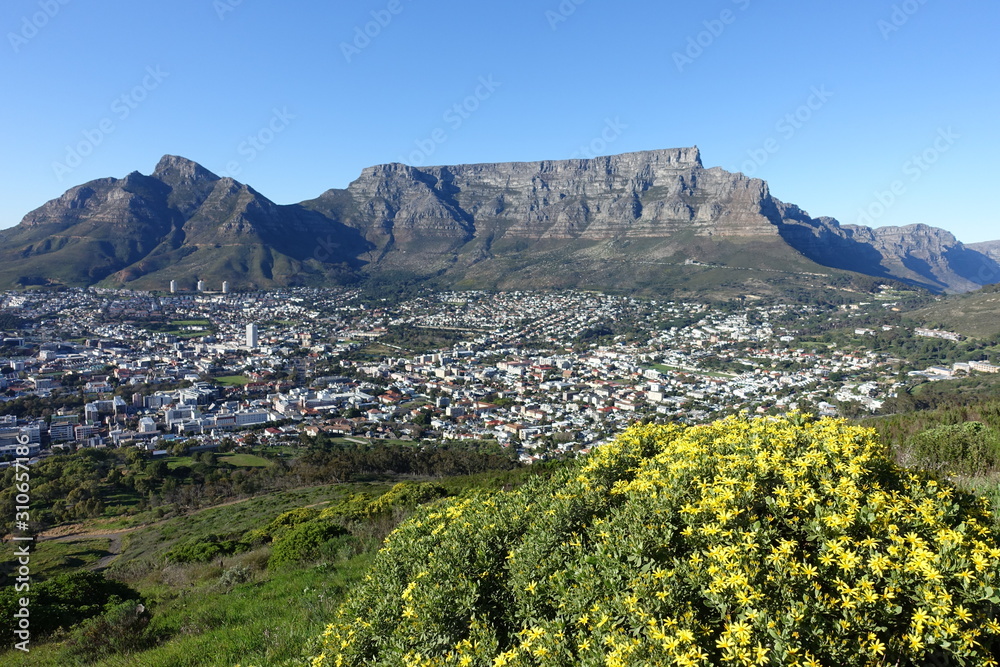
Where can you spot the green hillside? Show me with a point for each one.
(973, 314)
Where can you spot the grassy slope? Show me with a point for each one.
(267, 621)
(972, 314)
(273, 619)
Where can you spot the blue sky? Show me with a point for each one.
(877, 111)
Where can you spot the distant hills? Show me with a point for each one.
(650, 220)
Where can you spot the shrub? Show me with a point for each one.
(743, 542)
(303, 543)
(203, 551)
(400, 498)
(970, 448)
(353, 508)
(238, 574)
(63, 601)
(405, 496)
(122, 628)
(341, 547)
(288, 520)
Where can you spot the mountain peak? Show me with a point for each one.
(173, 169)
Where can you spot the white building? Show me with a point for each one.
(252, 418)
(251, 335)
(983, 367)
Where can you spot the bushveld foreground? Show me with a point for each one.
(744, 542)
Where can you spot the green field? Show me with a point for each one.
(176, 328)
(244, 461)
(233, 380)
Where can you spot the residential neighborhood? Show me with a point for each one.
(545, 373)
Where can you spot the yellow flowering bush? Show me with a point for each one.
(742, 542)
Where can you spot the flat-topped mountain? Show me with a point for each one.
(646, 220)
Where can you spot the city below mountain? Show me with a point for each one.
(646, 221)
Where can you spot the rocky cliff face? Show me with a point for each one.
(988, 248)
(648, 194)
(920, 252)
(611, 221)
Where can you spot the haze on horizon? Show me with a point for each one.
(873, 113)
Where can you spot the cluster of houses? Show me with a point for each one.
(542, 372)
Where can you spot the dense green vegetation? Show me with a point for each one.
(104, 483)
(955, 434)
(743, 542)
(420, 341)
(9, 322)
(63, 601)
(45, 407)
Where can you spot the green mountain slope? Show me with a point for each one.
(181, 223)
(973, 314)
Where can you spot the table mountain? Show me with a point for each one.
(647, 220)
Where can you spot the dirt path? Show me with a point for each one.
(114, 550)
(114, 545)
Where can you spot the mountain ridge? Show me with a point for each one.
(552, 223)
